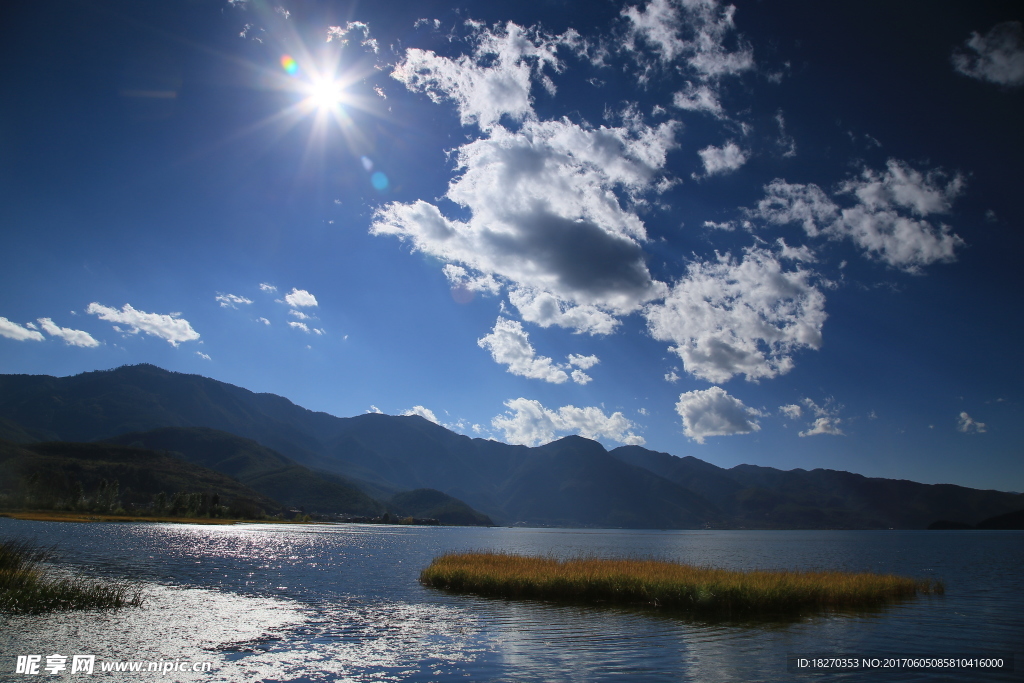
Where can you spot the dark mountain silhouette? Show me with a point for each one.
(1011, 521)
(258, 467)
(764, 497)
(49, 474)
(573, 481)
(432, 504)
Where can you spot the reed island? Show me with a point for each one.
(698, 590)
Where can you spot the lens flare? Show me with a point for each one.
(379, 181)
(289, 64)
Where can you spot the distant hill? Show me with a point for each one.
(50, 473)
(764, 497)
(432, 504)
(258, 467)
(1011, 521)
(572, 482)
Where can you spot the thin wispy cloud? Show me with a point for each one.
(172, 328)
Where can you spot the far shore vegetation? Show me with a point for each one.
(701, 591)
(27, 587)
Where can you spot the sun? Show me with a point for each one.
(324, 93)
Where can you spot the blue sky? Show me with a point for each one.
(779, 235)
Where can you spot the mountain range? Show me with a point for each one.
(369, 462)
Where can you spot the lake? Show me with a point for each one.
(312, 603)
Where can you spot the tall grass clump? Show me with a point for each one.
(700, 590)
(25, 588)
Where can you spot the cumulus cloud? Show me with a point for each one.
(546, 220)
(300, 298)
(299, 326)
(425, 413)
(823, 425)
(967, 424)
(720, 160)
(792, 411)
(529, 423)
(203, 355)
(997, 56)
(700, 98)
(231, 300)
(747, 316)
(509, 345)
(13, 330)
(170, 327)
(826, 420)
(713, 412)
(263, 320)
(585, 362)
(689, 33)
(70, 336)
(495, 80)
(887, 218)
(299, 314)
(547, 207)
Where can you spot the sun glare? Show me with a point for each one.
(324, 93)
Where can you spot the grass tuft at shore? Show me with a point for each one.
(26, 589)
(700, 590)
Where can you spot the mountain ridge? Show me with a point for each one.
(572, 481)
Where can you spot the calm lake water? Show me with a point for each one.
(342, 603)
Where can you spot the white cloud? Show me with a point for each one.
(299, 298)
(967, 424)
(785, 142)
(495, 80)
(739, 317)
(792, 411)
(690, 31)
(713, 412)
(546, 220)
(529, 423)
(298, 314)
(509, 345)
(231, 300)
(549, 203)
(671, 377)
(170, 327)
(584, 362)
(263, 320)
(70, 336)
(998, 55)
(827, 418)
(13, 330)
(580, 377)
(375, 409)
(718, 160)
(700, 98)
(203, 355)
(264, 287)
(459, 277)
(823, 425)
(342, 35)
(425, 413)
(887, 219)
(801, 253)
(299, 326)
